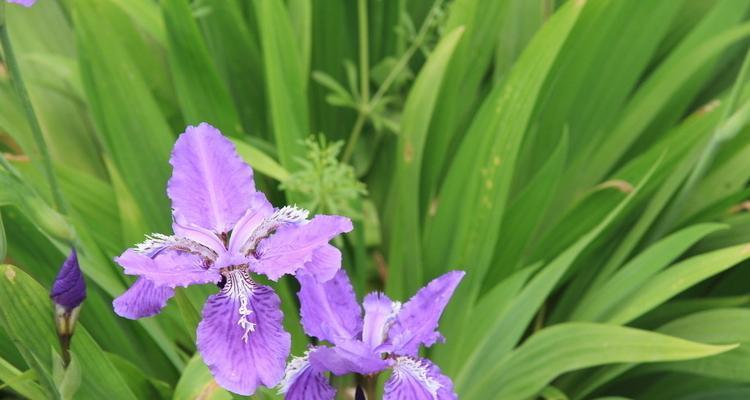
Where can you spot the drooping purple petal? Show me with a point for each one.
(417, 321)
(303, 382)
(417, 379)
(241, 337)
(169, 268)
(69, 288)
(258, 210)
(25, 3)
(380, 312)
(143, 299)
(347, 357)
(293, 246)
(210, 184)
(329, 310)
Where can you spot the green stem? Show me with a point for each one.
(366, 104)
(23, 96)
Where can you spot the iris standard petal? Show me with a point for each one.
(241, 337)
(168, 268)
(380, 313)
(329, 310)
(210, 184)
(303, 382)
(347, 357)
(258, 210)
(143, 299)
(417, 379)
(292, 246)
(417, 321)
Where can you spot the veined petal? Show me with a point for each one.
(259, 210)
(417, 379)
(293, 246)
(380, 312)
(303, 382)
(417, 321)
(347, 357)
(329, 310)
(168, 268)
(210, 184)
(69, 288)
(241, 337)
(143, 299)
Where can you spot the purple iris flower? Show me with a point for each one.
(388, 337)
(69, 289)
(224, 230)
(25, 3)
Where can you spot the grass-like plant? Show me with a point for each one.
(584, 162)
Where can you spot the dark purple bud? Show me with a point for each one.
(69, 289)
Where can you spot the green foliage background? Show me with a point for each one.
(586, 162)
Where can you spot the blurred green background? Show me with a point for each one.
(586, 162)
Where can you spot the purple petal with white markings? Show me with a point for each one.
(210, 185)
(303, 382)
(417, 379)
(143, 299)
(417, 322)
(329, 310)
(243, 342)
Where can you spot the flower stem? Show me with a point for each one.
(23, 95)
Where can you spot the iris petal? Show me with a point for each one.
(243, 355)
(303, 382)
(329, 310)
(143, 299)
(417, 379)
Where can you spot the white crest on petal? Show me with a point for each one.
(294, 369)
(155, 243)
(417, 370)
(282, 216)
(240, 286)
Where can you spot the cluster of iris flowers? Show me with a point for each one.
(224, 232)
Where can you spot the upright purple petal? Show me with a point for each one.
(329, 310)
(143, 299)
(25, 3)
(380, 312)
(258, 210)
(417, 379)
(241, 337)
(348, 357)
(210, 185)
(169, 268)
(303, 382)
(293, 246)
(198, 234)
(417, 321)
(69, 288)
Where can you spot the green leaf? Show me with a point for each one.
(27, 317)
(286, 90)
(405, 269)
(571, 346)
(196, 382)
(203, 97)
(21, 382)
(676, 279)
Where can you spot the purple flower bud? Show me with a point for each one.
(25, 3)
(69, 289)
